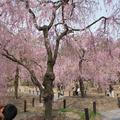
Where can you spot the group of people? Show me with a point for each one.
(8, 112)
(76, 90)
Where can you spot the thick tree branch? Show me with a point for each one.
(58, 42)
(32, 74)
(47, 44)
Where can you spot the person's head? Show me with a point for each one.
(9, 112)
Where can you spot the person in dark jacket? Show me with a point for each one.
(9, 111)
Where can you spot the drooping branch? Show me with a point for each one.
(33, 61)
(11, 57)
(71, 30)
(81, 59)
(39, 28)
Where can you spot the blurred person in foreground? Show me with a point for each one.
(8, 112)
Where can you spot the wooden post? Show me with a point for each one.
(25, 106)
(40, 97)
(86, 114)
(118, 98)
(58, 94)
(64, 103)
(63, 93)
(94, 107)
(33, 102)
(69, 93)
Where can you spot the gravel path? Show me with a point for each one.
(111, 115)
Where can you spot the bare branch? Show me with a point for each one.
(58, 41)
(89, 24)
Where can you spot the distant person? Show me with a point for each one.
(62, 87)
(76, 90)
(8, 112)
(111, 91)
(107, 92)
(59, 90)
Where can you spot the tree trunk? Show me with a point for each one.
(48, 107)
(82, 90)
(16, 83)
(48, 94)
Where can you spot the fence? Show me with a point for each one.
(27, 91)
